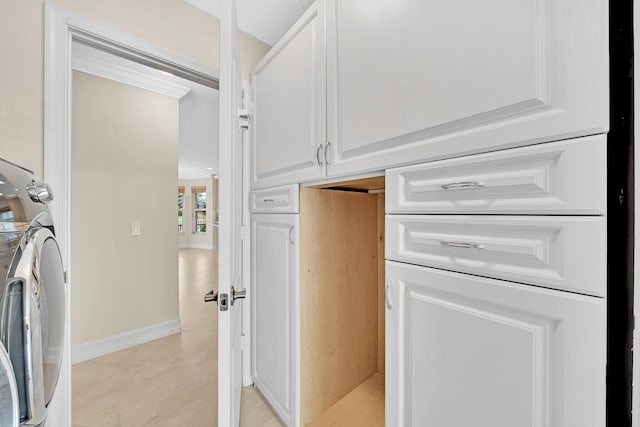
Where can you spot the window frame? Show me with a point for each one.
(194, 193)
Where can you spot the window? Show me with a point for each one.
(180, 209)
(199, 209)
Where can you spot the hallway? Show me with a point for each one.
(171, 381)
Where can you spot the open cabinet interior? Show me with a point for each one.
(342, 354)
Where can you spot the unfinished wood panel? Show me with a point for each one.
(338, 295)
(363, 407)
(373, 183)
(381, 282)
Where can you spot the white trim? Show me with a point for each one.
(247, 374)
(60, 30)
(635, 395)
(93, 61)
(92, 349)
(199, 246)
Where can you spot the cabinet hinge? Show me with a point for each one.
(243, 342)
(243, 118)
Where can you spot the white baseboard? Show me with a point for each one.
(100, 347)
(199, 246)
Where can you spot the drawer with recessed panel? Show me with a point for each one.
(275, 200)
(565, 178)
(558, 252)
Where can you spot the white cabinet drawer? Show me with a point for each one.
(567, 177)
(510, 355)
(276, 200)
(567, 253)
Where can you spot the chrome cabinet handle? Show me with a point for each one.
(291, 235)
(267, 200)
(318, 155)
(327, 145)
(387, 296)
(463, 245)
(464, 184)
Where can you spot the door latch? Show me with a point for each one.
(221, 299)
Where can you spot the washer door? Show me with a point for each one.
(8, 392)
(32, 322)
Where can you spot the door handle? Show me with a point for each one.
(291, 235)
(318, 155)
(211, 296)
(241, 294)
(387, 296)
(326, 147)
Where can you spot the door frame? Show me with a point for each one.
(62, 28)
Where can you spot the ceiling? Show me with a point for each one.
(266, 20)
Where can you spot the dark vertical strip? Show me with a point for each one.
(620, 216)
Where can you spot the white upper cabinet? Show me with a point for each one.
(289, 96)
(415, 80)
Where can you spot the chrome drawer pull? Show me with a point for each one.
(463, 245)
(465, 184)
(267, 200)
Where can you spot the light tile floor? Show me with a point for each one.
(171, 381)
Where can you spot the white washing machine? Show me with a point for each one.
(32, 299)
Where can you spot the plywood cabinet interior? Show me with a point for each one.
(341, 307)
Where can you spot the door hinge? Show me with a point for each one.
(243, 342)
(243, 118)
(243, 232)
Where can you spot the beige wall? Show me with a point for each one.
(124, 169)
(171, 24)
(189, 239)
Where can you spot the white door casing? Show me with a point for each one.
(62, 28)
(230, 220)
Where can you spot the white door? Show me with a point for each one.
(464, 350)
(230, 220)
(274, 278)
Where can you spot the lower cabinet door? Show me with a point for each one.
(464, 350)
(274, 278)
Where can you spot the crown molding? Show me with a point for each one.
(93, 61)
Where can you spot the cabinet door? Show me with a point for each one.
(274, 262)
(289, 89)
(470, 351)
(423, 80)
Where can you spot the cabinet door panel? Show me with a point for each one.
(435, 79)
(464, 350)
(274, 292)
(289, 90)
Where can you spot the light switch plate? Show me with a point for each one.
(135, 229)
